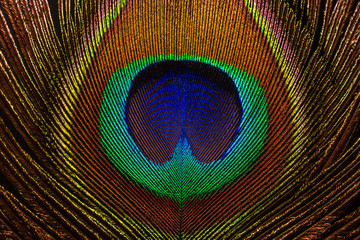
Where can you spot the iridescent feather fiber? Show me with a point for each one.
(179, 119)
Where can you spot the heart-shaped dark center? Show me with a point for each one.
(170, 100)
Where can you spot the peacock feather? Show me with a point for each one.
(180, 119)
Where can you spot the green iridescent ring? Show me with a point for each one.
(183, 176)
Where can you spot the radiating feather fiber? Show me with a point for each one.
(179, 119)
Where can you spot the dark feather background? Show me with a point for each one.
(68, 172)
